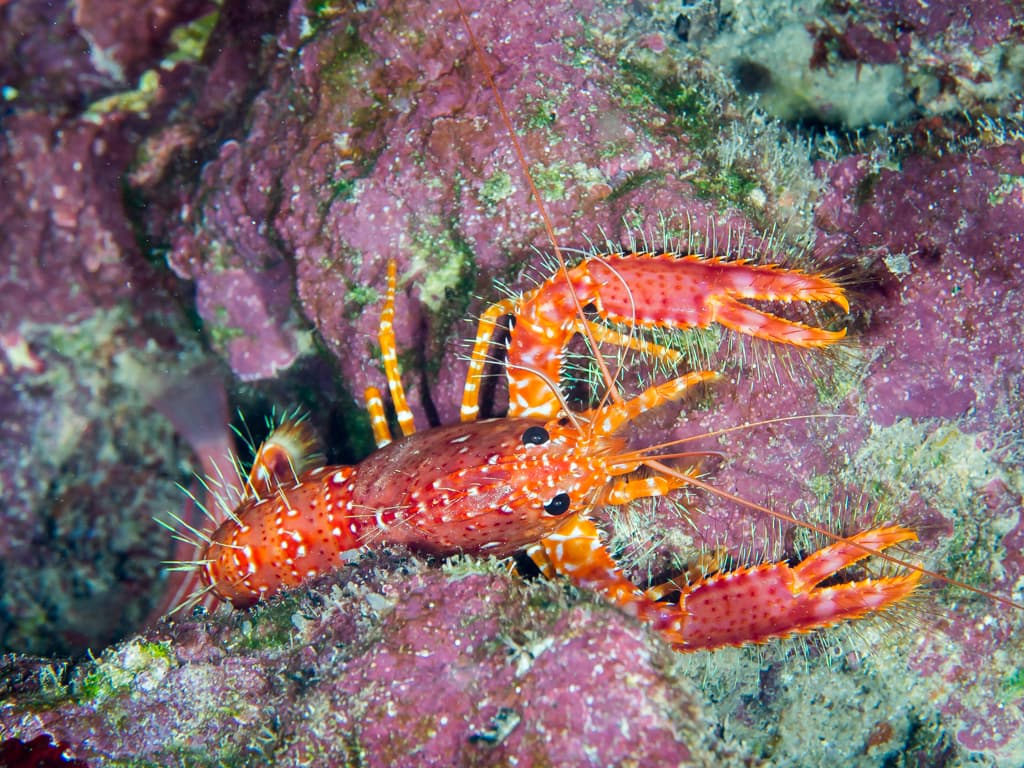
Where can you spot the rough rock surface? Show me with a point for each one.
(281, 164)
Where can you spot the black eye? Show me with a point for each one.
(559, 503)
(535, 436)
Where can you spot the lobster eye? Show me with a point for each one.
(559, 503)
(535, 436)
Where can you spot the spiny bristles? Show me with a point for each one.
(186, 566)
(226, 496)
(192, 600)
(179, 523)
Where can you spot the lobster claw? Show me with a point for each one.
(640, 290)
(752, 605)
(749, 605)
(668, 290)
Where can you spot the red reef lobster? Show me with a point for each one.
(531, 480)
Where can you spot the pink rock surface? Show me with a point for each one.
(93, 331)
(87, 462)
(401, 665)
(66, 54)
(376, 138)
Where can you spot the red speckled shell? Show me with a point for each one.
(471, 487)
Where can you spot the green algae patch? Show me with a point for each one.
(731, 183)
(359, 297)
(269, 626)
(550, 180)
(138, 100)
(189, 40)
(443, 268)
(496, 189)
(136, 664)
(1012, 688)
(689, 106)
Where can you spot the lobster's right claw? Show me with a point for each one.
(750, 605)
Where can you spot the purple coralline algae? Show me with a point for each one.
(95, 334)
(408, 161)
(402, 665)
(943, 397)
(64, 55)
(87, 461)
(280, 178)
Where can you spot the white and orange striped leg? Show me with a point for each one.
(389, 354)
(749, 605)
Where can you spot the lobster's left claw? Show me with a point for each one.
(668, 290)
(742, 318)
(639, 290)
